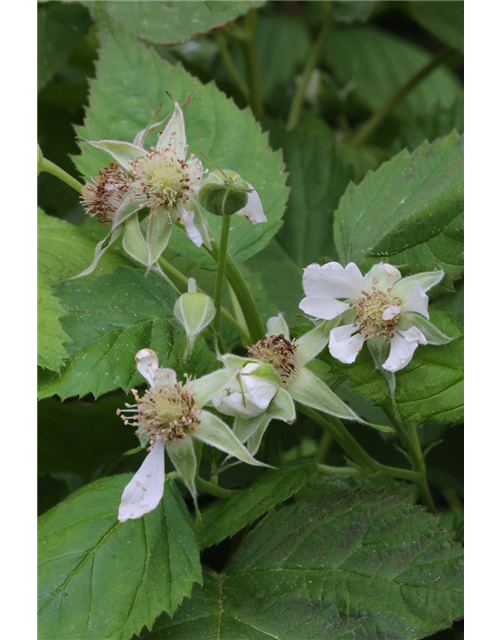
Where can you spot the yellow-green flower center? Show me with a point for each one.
(370, 309)
(278, 351)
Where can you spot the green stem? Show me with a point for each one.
(221, 269)
(248, 44)
(422, 484)
(231, 67)
(243, 294)
(311, 64)
(368, 128)
(215, 489)
(53, 169)
(332, 471)
(324, 446)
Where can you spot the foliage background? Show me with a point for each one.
(373, 49)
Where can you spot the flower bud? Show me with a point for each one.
(195, 311)
(223, 194)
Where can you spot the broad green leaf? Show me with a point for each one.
(214, 126)
(429, 389)
(360, 564)
(227, 517)
(175, 22)
(102, 579)
(444, 20)
(51, 335)
(109, 318)
(64, 250)
(60, 28)
(406, 213)
(317, 178)
(376, 64)
(84, 439)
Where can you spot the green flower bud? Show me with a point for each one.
(195, 311)
(224, 194)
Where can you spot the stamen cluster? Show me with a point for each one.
(104, 194)
(165, 412)
(278, 351)
(370, 309)
(164, 178)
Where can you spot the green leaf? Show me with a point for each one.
(102, 579)
(214, 126)
(376, 64)
(407, 212)
(176, 22)
(429, 389)
(363, 564)
(84, 439)
(350, 12)
(446, 21)
(317, 177)
(227, 517)
(109, 318)
(64, 250)
(60, 28)
(51, 335)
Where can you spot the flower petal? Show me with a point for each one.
(216, 433)
(253, 210)
(322, 308)
(418, 301)
(174, 134)
(144, 492)
(123, 152)
(345, 343)
(332, 280)
(403, 346)
(391, 312)
(383, 275)
(146, 362)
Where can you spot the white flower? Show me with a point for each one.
(168, 417)
(379, 305)
(250, 392)
(162, 179)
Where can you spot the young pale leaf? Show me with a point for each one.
(227, 517)
(214, 125)
(363, 563)
(102, 579)
(401, 211)
(109, 319)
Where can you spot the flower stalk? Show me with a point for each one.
(250, 55)
(221, 268)
(50, 167)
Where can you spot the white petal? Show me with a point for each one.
(418, 301)
(253, 210)
(187, 219)
(403, 346)
(332, 280)
(413, 334)
(323, 308)
(146, 362)
(345, 343)
(385, 275)
(144, 492)
(391, 312)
